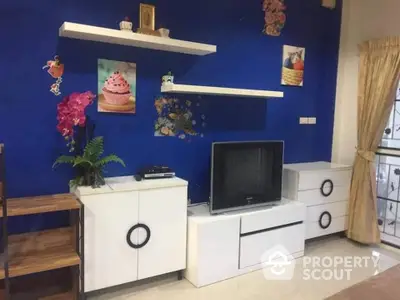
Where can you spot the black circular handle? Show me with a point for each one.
(323, 185)
(325, 213)
(148, 234)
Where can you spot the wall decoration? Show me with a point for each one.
(275, 17)
(178, 118)
(126, 25)
(164, 32)
(71, 113)
(329, 4)
(168, 79)
(116, 86)
(293, 65)
(56, 70)
(147, 20)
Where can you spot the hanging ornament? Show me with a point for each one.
(275, 17)
(56, 70)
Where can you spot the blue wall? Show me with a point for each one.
(245, 59)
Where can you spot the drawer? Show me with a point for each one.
(315, 197)
(273, 217)
(253, 247)
(314, 180)
(314, 229)
(337, 209)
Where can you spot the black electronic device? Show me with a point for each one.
(156, 172)
(245, 174)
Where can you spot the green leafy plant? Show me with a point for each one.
(90, 164)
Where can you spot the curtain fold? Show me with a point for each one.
(379, 75)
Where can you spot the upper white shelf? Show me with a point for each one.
(113, 36)
(222, 91)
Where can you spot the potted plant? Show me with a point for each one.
(91, 164)
(78, 131)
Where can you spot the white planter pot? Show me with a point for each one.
(168, 79)
(125, 26)
(164, 32)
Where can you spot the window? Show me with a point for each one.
(391, 135)
(388, 178)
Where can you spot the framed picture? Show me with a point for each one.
(116, 86)
(147, 16)
(293, 65)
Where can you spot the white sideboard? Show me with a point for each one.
(324, 188)
(227, 245)
(133, 230)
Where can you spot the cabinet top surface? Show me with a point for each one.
(128, 183)
(201, 213)
(316, 166)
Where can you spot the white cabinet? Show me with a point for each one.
(109, 259)
(253, 247)
(232, 244)
(324, 188)
(164, 211)
(133, 230)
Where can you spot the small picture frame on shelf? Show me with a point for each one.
(147, 16)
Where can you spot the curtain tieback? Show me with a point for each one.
(367, 155)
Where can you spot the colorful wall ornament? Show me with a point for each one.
(56, 70)
(178, 118)
(275, 17)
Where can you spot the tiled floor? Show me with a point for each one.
(255, 286)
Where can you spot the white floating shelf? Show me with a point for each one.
(113, 36)
(221, 91)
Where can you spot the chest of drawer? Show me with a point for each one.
(323, 180)
(274, 217)
(315, 197)
(316, 183)
(331, 210)
(315, 229)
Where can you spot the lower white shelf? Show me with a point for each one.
(221, 91)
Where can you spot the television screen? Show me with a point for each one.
(245, 174)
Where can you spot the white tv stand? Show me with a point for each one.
(227, 245)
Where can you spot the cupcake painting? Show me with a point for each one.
(116, 86)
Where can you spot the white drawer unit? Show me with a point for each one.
(133, 230)
(231, 244)
(324, 188)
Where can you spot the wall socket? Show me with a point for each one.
(303, 120)
(307, 120)
(312, 120)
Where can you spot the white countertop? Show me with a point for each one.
(128, 183)
(316, 166)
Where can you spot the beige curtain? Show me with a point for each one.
(379, 75)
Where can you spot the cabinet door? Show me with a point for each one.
(109, 260)
(164, 211)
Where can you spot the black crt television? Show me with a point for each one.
(245, 174)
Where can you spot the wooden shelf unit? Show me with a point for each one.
(41, 204)
(40, 251)
(39, 285)
(40, 264)
(61, 296)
